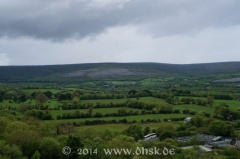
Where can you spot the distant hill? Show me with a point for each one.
(78, 72)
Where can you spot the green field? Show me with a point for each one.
(233, 104)
(194, 107)
(41, 90)
(104, 101)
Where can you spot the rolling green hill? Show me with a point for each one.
(78, 72)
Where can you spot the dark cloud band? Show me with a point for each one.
(60, 20)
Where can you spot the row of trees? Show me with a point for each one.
(77, 114)
(189, 100)
(121, 112)
(114, 121)
(76, 104)
(19, 96)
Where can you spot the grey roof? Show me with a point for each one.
(221, 143)
(216, 138)
(207, 149)
(238, 143)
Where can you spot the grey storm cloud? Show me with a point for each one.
(66, 19)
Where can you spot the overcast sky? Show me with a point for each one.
(40, 32)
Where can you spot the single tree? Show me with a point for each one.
(41, 99)
(36, 155)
